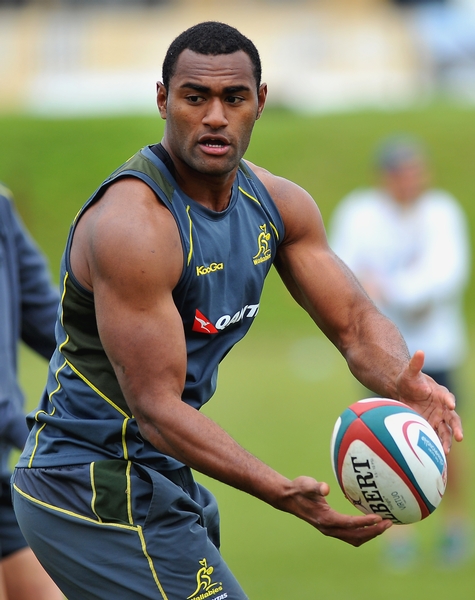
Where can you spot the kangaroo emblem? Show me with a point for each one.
(204, 324)
(203, 579)
(263, 242)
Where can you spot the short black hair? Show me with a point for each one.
(210, 38)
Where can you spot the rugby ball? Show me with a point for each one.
(388, 460)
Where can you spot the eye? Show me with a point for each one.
(194, 99)
(234, 99)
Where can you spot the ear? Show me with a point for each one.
(261, 99)
(162, 99)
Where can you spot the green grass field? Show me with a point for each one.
(282, 388)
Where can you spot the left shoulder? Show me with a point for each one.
(279, 188)
(296, 206)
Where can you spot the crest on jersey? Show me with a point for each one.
(205, 586)
(264, 251)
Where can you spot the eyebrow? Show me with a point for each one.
(205, 89)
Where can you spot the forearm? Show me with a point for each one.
(192, 438)
(376, 352)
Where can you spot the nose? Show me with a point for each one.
(215, 116)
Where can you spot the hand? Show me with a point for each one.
(306, 500)
(434, 402)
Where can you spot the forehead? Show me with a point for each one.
(222, 70)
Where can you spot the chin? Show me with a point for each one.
(216, 167)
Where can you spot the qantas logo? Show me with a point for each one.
(202, 324)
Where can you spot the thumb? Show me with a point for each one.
(324, 488)
(310, 487)
(416, 363)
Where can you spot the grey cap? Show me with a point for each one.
(397, 150)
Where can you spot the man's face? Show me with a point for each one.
(407, 182)
(211, 107)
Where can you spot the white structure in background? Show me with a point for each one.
(338, 59)
(323, 55)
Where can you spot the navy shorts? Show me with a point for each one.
(11, 537)
(114, 529)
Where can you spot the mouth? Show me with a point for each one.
(216, 145)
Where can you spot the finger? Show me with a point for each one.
(445, 435)
(335, 520)
(356, 536)
(455, 424)
(450, 400)
(416, 363)
(369, 533)
(361, 521)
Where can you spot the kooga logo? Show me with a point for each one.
(202, 270)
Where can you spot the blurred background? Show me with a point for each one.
(86, 56)
(77, 98)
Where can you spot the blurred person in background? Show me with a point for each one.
(408, 245)
(28, 306)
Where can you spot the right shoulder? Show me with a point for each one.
(127, 227)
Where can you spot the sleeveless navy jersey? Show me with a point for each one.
(83, 415)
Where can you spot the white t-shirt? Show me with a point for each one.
(418, 256)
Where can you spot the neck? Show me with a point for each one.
(211, 190)
(207, 191)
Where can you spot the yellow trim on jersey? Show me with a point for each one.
(274, 229)
(248, 195)
(66, 277)
(97, 390)
(71, 513)
(36, 441)
(150, 563)
(37, 435)
(190, 253)
(86, 381)
(109, 401)
(78, 373)
(136, 528)
(124, 432)
(128, 492)
(77, 215)
(94, 493)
